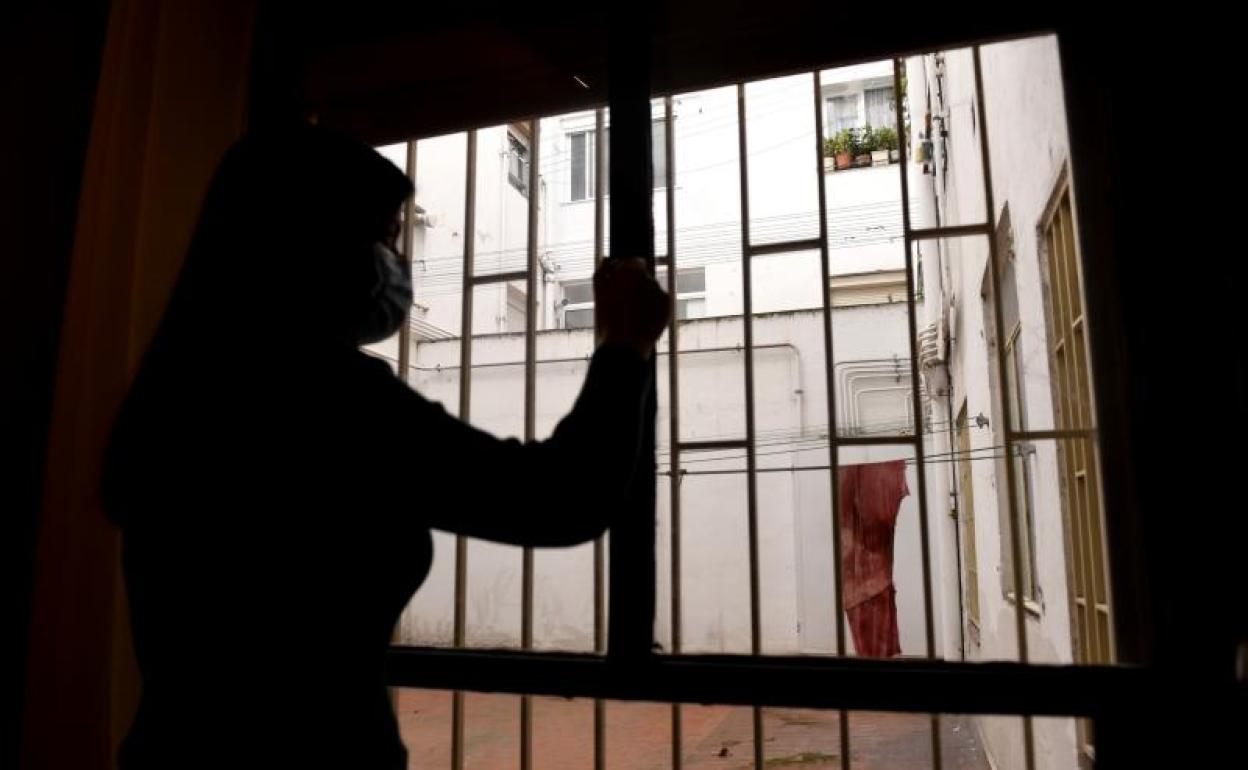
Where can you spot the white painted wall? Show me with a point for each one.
(794, 514)
(1028, 149)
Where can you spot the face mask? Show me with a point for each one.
(390, 298)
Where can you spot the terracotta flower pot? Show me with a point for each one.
(843, 161)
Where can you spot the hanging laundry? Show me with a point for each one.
(870, 498)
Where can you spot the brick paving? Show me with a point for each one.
(638, 736)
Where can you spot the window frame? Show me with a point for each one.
(632, 673)
(518, 162)
(589, 139)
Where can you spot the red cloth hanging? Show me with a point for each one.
(870, 498)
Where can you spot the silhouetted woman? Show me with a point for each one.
(276, 487)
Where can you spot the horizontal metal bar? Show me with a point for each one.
(907, 684)
(758, 250)
(897, 440)
(953, 231)
(708, 446)
(514, 275)
(1043, 435)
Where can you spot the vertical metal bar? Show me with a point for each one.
(751, 475)
(673, 410)
(465, 404)
(530, 423)
(409, 213)
(829, 372)
(405, 331)
(632, 560)
(600, 616)
(1011, 480)
(920, 465)
(600, 188)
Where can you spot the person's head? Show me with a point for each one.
(298, 235)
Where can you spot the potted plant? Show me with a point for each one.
(829, 154)
(886, 137)
(874, 143)
(864, 143)
(842, 147)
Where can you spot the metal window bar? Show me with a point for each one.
(920, 467)
(751, 461)
(632, 540)
(530, 431)
(834, 440)
(465, 403)
(1011, 479)
(409, 214)
(673, 402)
(600, 615)
(469, 280)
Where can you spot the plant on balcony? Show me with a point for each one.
(842, 146)
(866, 146)
(886, 138)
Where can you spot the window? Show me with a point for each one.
(583, 161)
(690, 291)
(581, 180)
(578, 297)
(758, 412)
(1072, 405)
(1022, 454)
(1087, 570)
(658, 154)
(842, 113)
(518, 159)
(881, 107)
(578, 304)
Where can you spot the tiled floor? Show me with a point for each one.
(638, 736)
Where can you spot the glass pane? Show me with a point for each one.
(783, 165)
(437, 268)
(433, 369)
(717, 737)
(866, 261)
(715, 558)
(563, 733)
(497, 406)
(638, 735)
(906, 739)
(944, 129)
(578, 318)
(566, 209)
(1033, 224)
(802, 739)
(424, 718)
(564, 578)
(708, 184)
(871, 352)
(563, 593)
(491, 731)
(502, 210)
